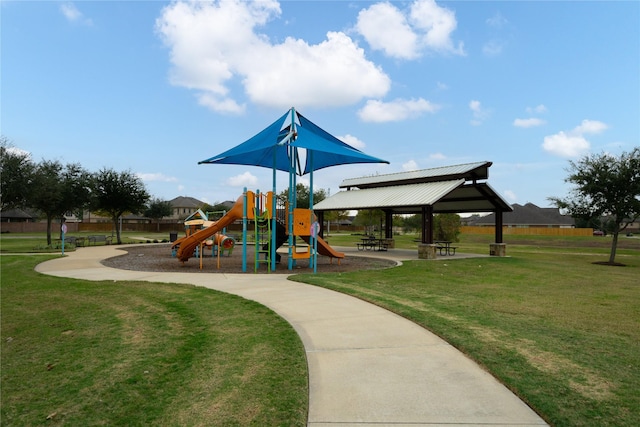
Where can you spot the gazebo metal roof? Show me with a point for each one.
(468, 172)
(450, 189)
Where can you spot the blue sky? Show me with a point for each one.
(154, 87)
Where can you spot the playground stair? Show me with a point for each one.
(262, 226)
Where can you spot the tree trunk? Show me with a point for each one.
(115, 224)
(614, 245)
(49, 220)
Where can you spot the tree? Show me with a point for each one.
(57, 189)
(218, 208)
(605, 186)
(118, 193)
(446, 227)
(16, 173)
(157, 210)
(302, 196)
(335, 216)
(412, 223)
(370, 219)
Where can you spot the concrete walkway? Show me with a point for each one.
(367, 366)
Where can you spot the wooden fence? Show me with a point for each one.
(530, 231)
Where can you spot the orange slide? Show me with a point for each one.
(188, 244)
(325, 249)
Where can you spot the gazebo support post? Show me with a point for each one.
(498, 248)
(388, 229)
(426, 249)
(427, 224)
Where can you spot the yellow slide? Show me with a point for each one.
(188, 244)
(325, 249)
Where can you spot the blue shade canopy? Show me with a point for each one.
(259, 150)
(270, 147)
(327, 149)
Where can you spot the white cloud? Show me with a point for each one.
(566, 145)
(406, 34)
(71, 12)
(497, 21)
(397, 110)
(573, 143)
(480, 114)
(215, 47)
(497, 44)
(385, 28)
(528, 123)
(437, 156)
(18, 151)
(590, 126)
(244, 180)
(296, 73)
(411, 165)
(155, 177)
(352, 141)
(438, 23)
(539, 109)
(493, 47)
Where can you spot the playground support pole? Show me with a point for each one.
(314, 231)
(244, 232)
(273, 216)
(292, 192)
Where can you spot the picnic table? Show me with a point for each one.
(445, 248)
(370, 243)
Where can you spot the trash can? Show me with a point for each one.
(173, 236)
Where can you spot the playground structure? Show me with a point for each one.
(201, 234)
(273, 225)
(285, 145)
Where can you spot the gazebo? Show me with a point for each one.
(449, 189)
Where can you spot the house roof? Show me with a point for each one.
(530, 214)
(15, 214)
(186, 202)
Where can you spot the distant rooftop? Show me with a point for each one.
(186, 202)
(530, 214)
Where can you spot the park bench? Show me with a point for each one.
(107, 240)
(73, 240)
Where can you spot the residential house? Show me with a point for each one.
(527, 216)
(184, 206)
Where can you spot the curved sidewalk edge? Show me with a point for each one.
(367, 366)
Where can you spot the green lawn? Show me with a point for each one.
(560, 331)
(37, 242)
(75, 352)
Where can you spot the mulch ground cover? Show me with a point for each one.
(158, 257)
